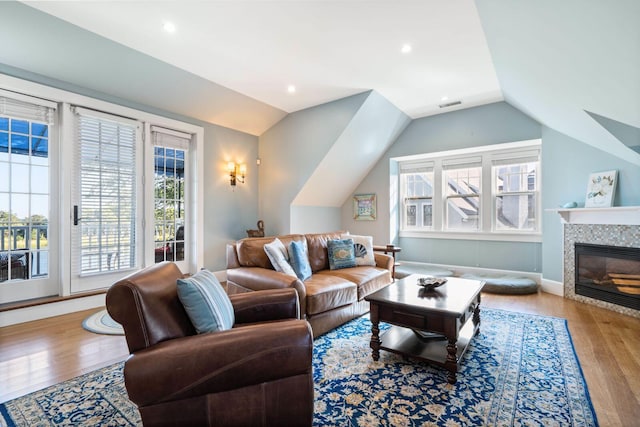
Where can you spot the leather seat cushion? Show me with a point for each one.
(326, 292)
(368, 279)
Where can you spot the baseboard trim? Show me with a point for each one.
(43, 311)
(552, 287)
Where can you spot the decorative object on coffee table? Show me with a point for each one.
(429, 282)
(601, 189)
(364, 207)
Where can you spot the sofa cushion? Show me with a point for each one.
(279, 257)
(367, 279)
(326, 292)
(363, 249)
(299, 259)
(341, 254)
(317, 245)
(206, 303)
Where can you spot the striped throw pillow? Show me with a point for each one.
(206, 303)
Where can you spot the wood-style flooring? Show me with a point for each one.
(38, 354)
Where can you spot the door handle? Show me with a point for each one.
(76, 220)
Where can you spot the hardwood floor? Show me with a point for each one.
(38, 354)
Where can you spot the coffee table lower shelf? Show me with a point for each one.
(404, 341)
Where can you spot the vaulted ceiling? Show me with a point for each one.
(571, 65)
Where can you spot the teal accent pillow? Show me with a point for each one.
(206, 303)
(299, 259)
(341, 254)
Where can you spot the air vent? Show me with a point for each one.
(450, 104)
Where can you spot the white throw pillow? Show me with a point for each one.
(279, 257)
(363, 247)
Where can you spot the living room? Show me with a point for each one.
(313, 161)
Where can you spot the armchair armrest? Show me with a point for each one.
(259, 279)
(196, 365)
(261, 306)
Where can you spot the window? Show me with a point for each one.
(24, 188)
(490, 191)
(462, 180)
(515, 194)
(417, 187)
(75, 166)
(170, 151)
(105, 212)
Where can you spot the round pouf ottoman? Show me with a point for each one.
(505, 284)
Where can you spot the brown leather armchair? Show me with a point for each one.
(258, 373)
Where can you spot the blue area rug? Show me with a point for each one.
(521, 370)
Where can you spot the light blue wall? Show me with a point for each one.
(291, 150)
(314, 219)
(566, 166)
(479, 126)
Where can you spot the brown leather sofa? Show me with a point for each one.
(258, 373)
(329, 298)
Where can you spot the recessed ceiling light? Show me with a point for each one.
(291, 89)
(444, 98)
(406, 48)
(169, 27)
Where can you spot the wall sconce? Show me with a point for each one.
(236, 173)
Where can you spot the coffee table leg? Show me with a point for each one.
(476, 318)
(375, 332)
(452, 361)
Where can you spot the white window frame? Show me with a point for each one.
(486, 155)
(19, 290)
(62, 176)
(191, 165)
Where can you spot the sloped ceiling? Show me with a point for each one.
(328, 50)
(572, 65)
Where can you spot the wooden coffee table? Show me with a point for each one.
(435, 326)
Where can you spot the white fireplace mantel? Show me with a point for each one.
(622, 215)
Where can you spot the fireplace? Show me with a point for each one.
(608, 273)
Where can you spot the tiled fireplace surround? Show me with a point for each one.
(601, 234)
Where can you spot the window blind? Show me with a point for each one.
(106, 159)
(170, 138)
(417, 167)
(26, 107)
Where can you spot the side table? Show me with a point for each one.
(389, 249)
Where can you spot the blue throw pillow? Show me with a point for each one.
(299, 259)
(206, 303)
(341, 254)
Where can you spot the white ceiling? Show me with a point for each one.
(571, 65)
(326, 49)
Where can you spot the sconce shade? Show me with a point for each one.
(237, 173)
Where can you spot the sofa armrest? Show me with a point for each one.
(262, 306)
(232, 256)
(260, 279)
(384, 261)
(197, 365)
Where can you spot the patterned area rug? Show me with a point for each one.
(521, 370)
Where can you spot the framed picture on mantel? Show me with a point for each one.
(601, 189)
(364, 207)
